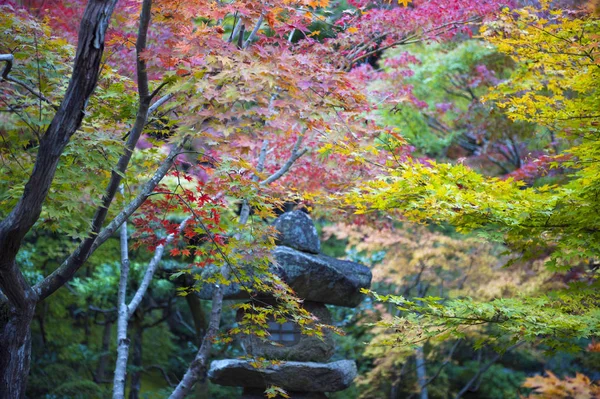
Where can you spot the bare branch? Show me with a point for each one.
(158, 253)
(159, 103)
(9, 59)
(236, 31)
(163, 372)
(253, 33)
(283, 170)
(245, 211)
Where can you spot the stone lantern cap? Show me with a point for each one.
(317, 278)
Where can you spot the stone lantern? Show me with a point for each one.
(304, 370)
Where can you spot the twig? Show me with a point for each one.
(82, 253)
(9, 59)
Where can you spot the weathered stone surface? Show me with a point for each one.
(321, 278)
(318, 278)
(292, 376)
(257, 393)
(307, 348)
(297, 230)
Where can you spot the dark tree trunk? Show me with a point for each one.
(15, 350)
(17, 299)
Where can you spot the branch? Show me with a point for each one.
(283, 170)
(77, 259)
(198, 366)
(158, 103)
(236, 30)
(413, 39)
(253, 33)
(61, 275)
(444, 364)
(9, 59)
(163, 372)
(158, 253)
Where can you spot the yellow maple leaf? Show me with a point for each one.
(404, 2)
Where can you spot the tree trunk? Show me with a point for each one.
(135, 384)
(15, 350)
(421, 372)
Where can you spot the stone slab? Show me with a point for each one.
(292, 376)
(321, 278)
(252, 393)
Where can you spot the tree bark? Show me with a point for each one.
(135, 382)
(120, 376)
(421, 372)
(15, 350)
(17, 299)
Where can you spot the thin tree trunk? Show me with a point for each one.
(198, 366)
(126, 312)
(135, 382)
(122, 321)
(421, 372)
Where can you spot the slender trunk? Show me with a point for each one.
(199, 364)
(15, 350)
(421, 372)
(122, 321)
(136, 360)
